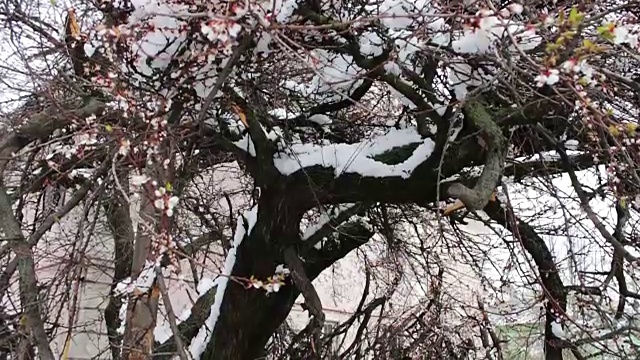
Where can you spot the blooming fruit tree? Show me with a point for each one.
(337, 108)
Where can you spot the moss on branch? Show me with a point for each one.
(478, 197)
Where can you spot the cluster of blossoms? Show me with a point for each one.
(85, 136)
(567, 26)
(576, 49)
(580, 71)
(164, 200)
(273, 283)
(486, 19)
(161, 244)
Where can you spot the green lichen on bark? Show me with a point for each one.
(478, 197)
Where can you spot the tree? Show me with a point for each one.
(350, 110)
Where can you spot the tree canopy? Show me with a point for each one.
(280, 136)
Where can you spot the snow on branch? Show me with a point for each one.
(200, 341)
(358, 158)
(326, 218)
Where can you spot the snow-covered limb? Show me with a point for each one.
(326, 217)
(140, 284)
(358, 158)
(200, 341)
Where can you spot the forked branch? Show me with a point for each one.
(302, 282)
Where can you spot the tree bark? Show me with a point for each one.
(27, 277)
(249, 317)
(142, 308)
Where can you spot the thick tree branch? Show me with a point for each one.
(617, 260)
(552, 285)
(351, 236)
(41, 125)
(28, 282)
(170, 314)
(308, 291)
(478, 197)
(331, 225)
(222, 76)
(373, 66)
(121, 228)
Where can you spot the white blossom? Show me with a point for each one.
(159, 204)
(620, 35)
(137, 180)
(281, 269)
(549, 77)
(125, 145)
(515, 8)
(570, 65)
(171, 203)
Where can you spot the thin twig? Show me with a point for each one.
(222, 77)
(170, 314)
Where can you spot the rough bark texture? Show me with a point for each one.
(478, 197)
(248, 318)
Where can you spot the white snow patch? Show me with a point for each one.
(358, 158)
(199, 342)
(320, 119)
(205, 284)
(325, 217)
(371, 44)
(162, 333)
(571, 144)
(399, 14)
(283, 9)
(246, 144)
(282, 114)
(122, 315)
(556, 329)
(252, 218)
(142, 283)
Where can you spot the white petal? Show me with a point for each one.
(552, 79)
(159, 203)
(173, 201)
(515, 8)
